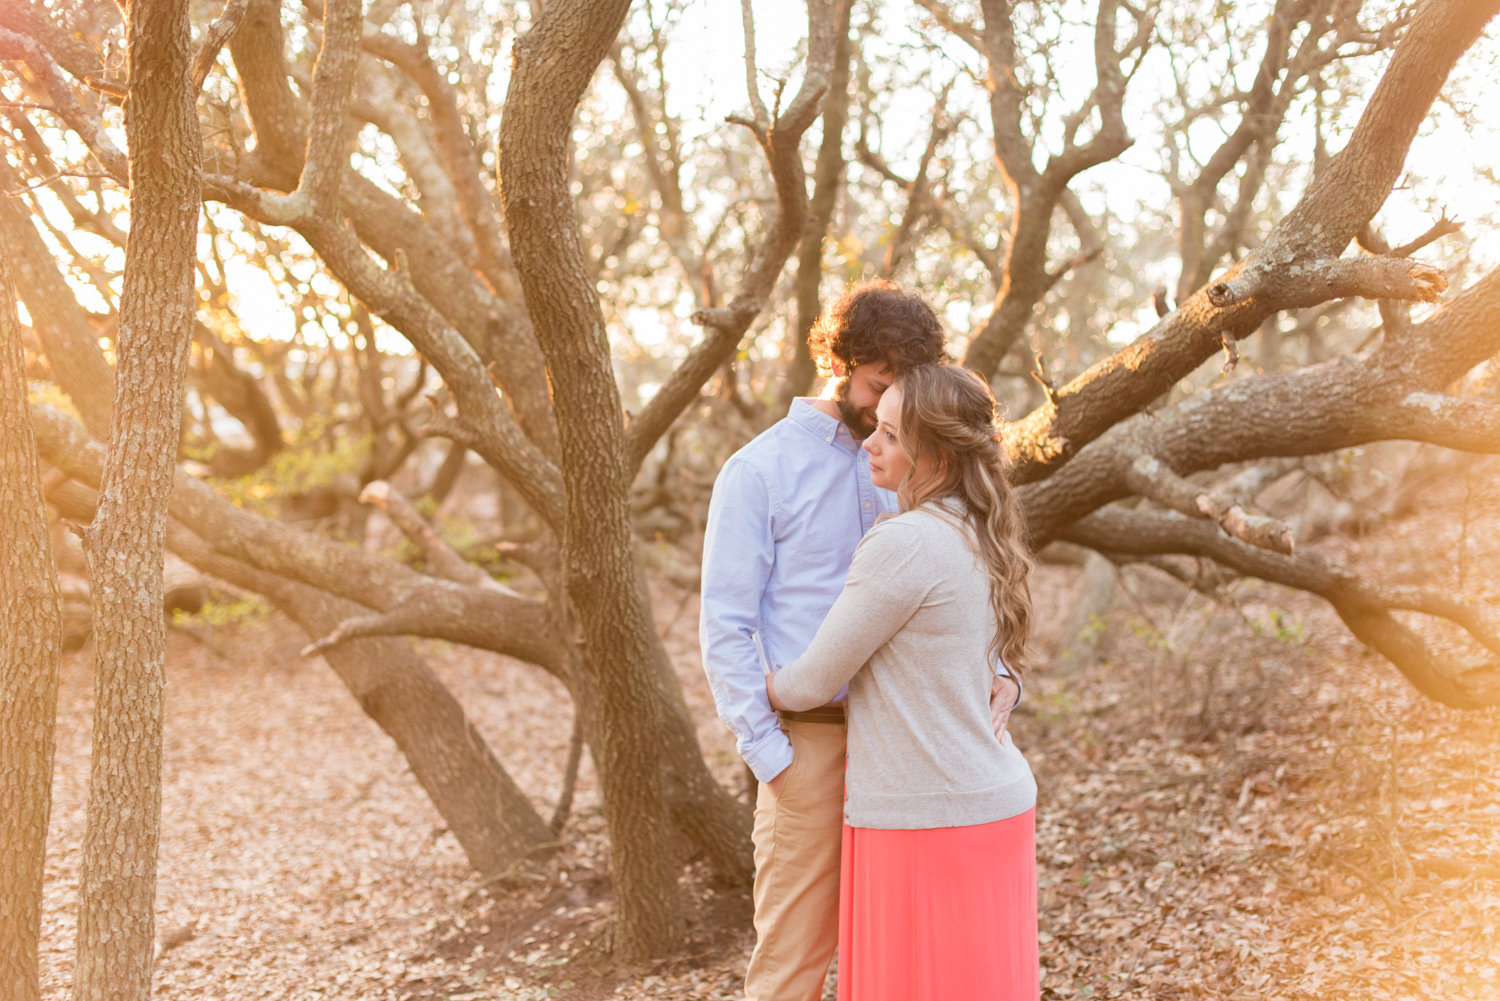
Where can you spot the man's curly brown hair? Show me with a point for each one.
(876, 320)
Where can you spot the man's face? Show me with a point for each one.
(858, 393)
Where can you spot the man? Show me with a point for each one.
(787, 511)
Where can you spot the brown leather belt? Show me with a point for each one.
(833, 712)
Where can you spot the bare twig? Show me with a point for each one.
(1443, 227)
(762, 119)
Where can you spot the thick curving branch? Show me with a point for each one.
(326, 154)
(1312, 283)
(485, 618)
(1455, 422)
(214, 38)
(459, 156)
(1036, 194)
(1395, 393)
(1346, 194)
(492, 430)
(62, 326)
(69, 48)
(499, 331)
(1364, 606)
(328, 137)
(725, 327)
(1148, 477)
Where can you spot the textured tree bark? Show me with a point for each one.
(1393, 393)
(125, 544)
(30, 644)
(599, 559)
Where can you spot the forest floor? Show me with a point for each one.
(1237, 801)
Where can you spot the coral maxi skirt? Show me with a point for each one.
(945, 914)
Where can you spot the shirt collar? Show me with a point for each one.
(830, 429)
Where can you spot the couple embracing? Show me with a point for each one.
(864, 623)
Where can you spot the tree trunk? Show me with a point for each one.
(553, 65)
(713, 820)
(30, 644)
(125, 545)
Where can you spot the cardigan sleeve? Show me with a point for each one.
(886, 584)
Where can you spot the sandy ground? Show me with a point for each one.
(1227, 801)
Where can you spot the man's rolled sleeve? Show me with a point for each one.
(738, 553)
(770, 756)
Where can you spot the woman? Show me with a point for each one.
(937, 900)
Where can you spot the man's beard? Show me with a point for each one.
(861, 423)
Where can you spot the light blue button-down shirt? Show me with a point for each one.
(787, 511)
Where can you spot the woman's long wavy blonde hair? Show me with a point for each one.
(949, 413)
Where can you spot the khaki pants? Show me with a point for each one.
(797, 842)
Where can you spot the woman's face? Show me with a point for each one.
(888, 463)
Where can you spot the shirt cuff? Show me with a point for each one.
(769, 756)
(1002, 671)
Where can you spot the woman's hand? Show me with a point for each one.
(771, 692)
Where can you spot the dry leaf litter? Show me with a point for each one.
(1237, 802)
